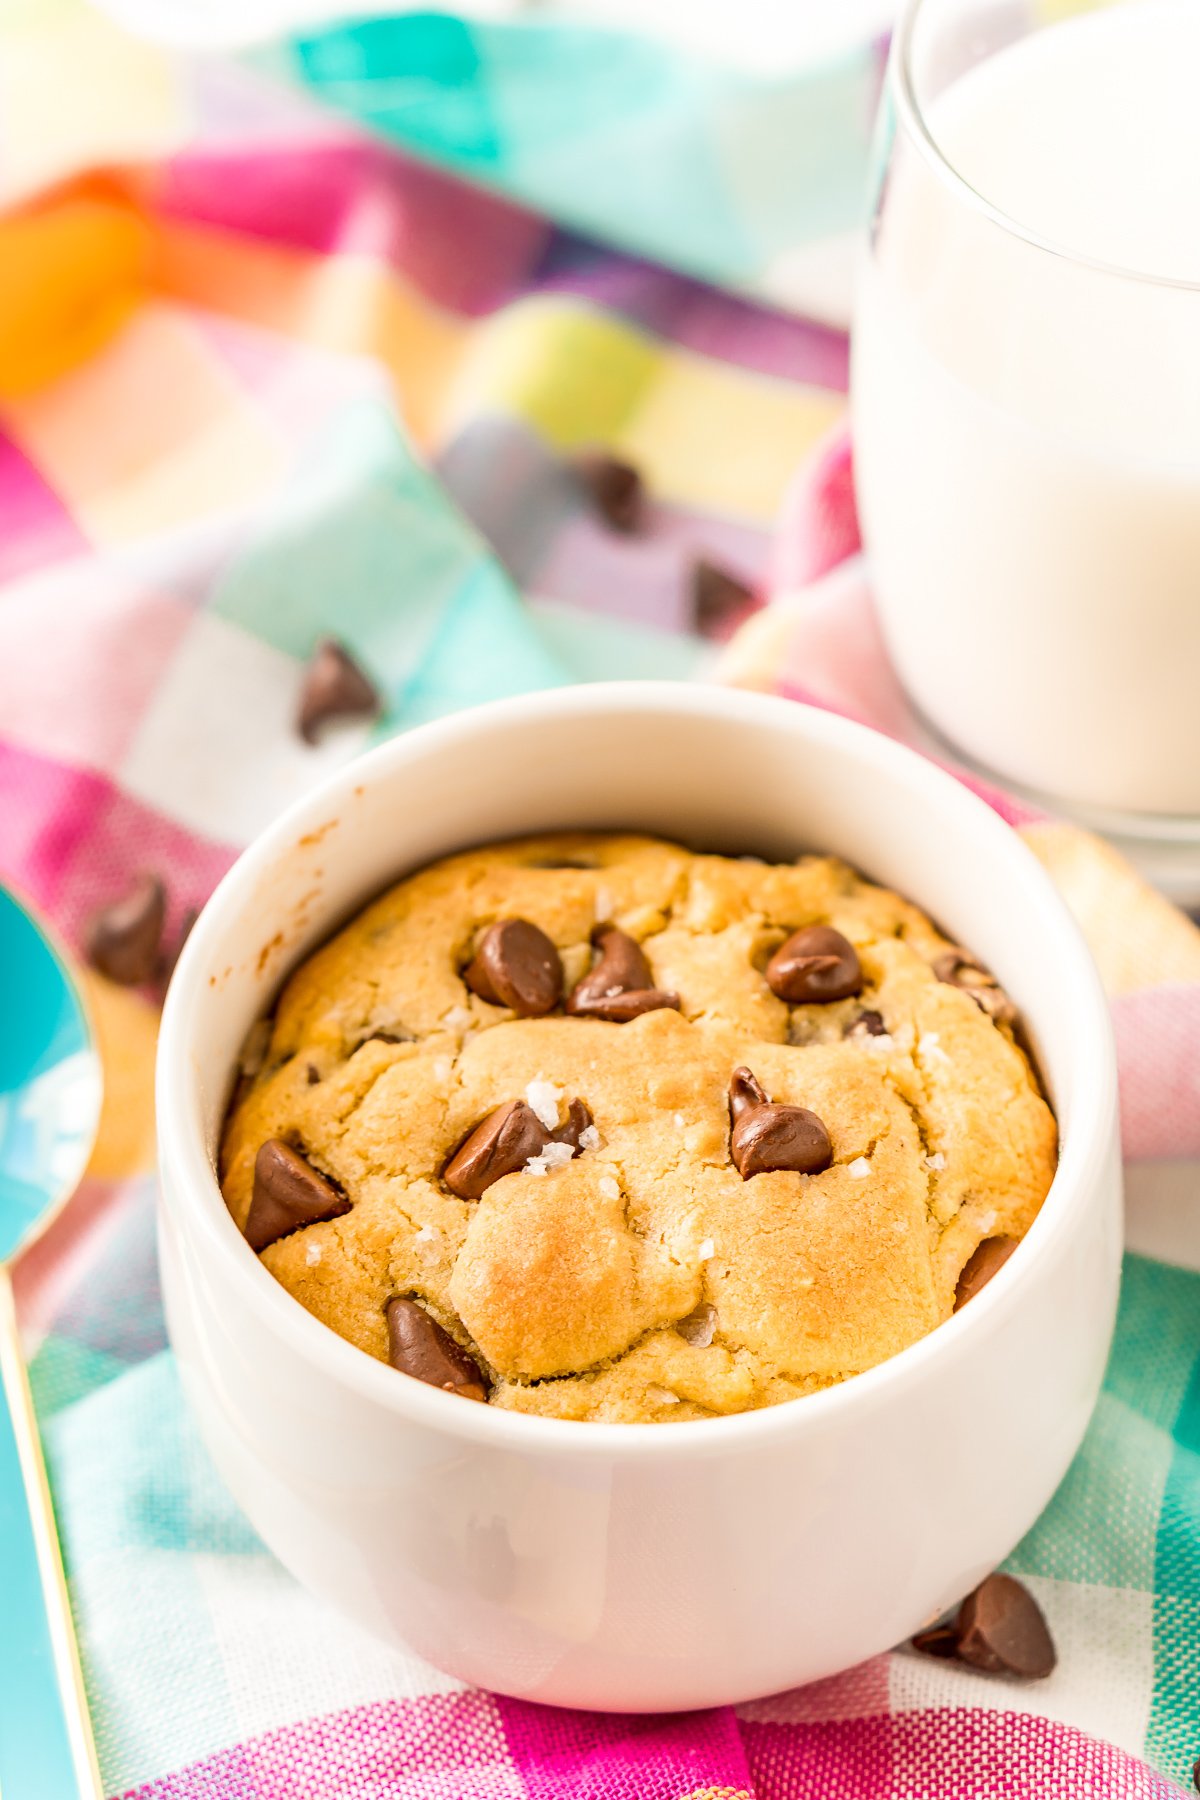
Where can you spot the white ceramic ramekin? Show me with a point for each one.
(657, 1566)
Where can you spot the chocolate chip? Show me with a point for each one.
(766, 1137)
(986, 1260)
(573, 1126)
(939, 1640)
(420, 1347)
(867, 1024)
(1000, 1628)
(312, 1074)
(516, 965)
(699, 1327)
(614, 488)
(815, 966)
(745, 1091)
(960, 970)
(499, 1145)
(123, 939)
(288, 1194)
(719, 600)
(334, 688)
(780, 1137)
(619, 985)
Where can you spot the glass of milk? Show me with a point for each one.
(1026, 402)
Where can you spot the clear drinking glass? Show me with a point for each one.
(1026, 403)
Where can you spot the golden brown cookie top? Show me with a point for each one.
(552, 1180)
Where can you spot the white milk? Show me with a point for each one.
(1027, 429)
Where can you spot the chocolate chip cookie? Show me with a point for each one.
(596, 1127)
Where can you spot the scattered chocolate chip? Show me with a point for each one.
(699, 1327)
(384, 1035)
(1000, 1628)
(939, 1640)
(815, 965)
(719, 600)
(867, 1024)
(516, 965)
(419, 1346)
(614, 488)
(334, 688)
(619, 985)
(960, 970)
(767, 1136)
(123, 939)
(780, 1137)
(745, 1091)
(986, 1260)
(573, 1126)
(499, 1145)
(288, 1194)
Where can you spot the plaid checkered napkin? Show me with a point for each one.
(262, 378)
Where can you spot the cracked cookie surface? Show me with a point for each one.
(568, 1279)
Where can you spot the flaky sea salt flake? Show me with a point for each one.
(707, 1250)
(610, 1188)
(859, 1169)
(312, 1254)
(589, 1138)
(544, 1097)
(936, 1162)
(554, 1156)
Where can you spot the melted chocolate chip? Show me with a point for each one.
(868, 1024)
(959, 969)
(815, 965)
(1000, 1628)
(420, 1347)
(986, 1260)
(573, 1126)
(334, 688)
(745, 1091)
(288, 1194)
(516, 965)
(619, 985)
(768, 1137)
(699, 1327)
(123, 939)
(614, 488)
(499, 1145)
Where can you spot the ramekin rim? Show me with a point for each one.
(184, 1155)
